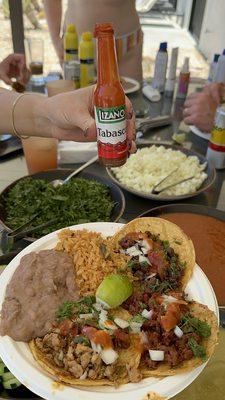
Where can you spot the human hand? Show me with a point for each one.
(14, 66)
(216, 91)
(70, 116)
(199, 110)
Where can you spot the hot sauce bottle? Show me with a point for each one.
(109, 101)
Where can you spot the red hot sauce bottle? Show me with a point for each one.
(109, 101)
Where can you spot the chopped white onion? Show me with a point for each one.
(96, 347)
(146, 245)
(86, 316)
(102, 303)
(143, 337)
(156, 355)
(143, 259)
(150, 276)
(135, 326)
(103, 315)
(133, 251)
(108, 356)
(121, 323)
(84, 375)
(168, 299)
(97, 306)
(147, 314)
(144, 250)
(178, 332)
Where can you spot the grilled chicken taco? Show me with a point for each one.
(92, 343)
(161, 255)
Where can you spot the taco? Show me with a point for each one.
(91, 346)
(179, 339)
(161, 254)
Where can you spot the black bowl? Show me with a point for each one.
(115, 192)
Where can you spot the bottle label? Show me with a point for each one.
(111, 124)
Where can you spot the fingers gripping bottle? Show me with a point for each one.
(109, 101)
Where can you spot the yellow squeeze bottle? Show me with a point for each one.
(70, 42)
(86, 56)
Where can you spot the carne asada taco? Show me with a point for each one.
(178, 341)
(90, 345)
(161, 253)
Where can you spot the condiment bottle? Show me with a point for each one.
(70, 42)
(220, 69)
(184, 79)
(216, 146)
(160, 68)
(212, 69)
(86, 56)
(109, 101)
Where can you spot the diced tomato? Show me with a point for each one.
(89, 331)
(158, 261)
(172, 317)
(65, 327)
(103, 338)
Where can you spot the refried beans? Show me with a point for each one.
(40, 284)
(208, 236)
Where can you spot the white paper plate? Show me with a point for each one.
(135, 85)
(196, 131)
(18, 358)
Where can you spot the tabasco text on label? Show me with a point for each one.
(111, 125)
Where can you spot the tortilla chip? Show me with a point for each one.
(204, 314)
(166, 230)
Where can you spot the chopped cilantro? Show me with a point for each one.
(197, 349)
(82, 306)
(79, 201)
(65, 310)
(82, 339)
(138, 318)
(131, 263)
(161, 287)
(193, 324)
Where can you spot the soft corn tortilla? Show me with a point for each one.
(204, 314)
(166, 230)
(129, 358)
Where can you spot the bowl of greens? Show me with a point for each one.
(85, 198)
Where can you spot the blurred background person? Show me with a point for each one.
(84, 14)
(200, 108)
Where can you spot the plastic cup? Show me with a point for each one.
(59, 86)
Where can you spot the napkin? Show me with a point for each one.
(75, 152)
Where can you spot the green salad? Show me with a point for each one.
(77, 202)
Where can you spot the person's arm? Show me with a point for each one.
(67, 116)
(53, 12)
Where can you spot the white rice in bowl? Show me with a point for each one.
(149, 165)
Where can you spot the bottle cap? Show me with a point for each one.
(86, 46)
(216, 57)
(163, 46)
(86, 36)
(70, 28)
